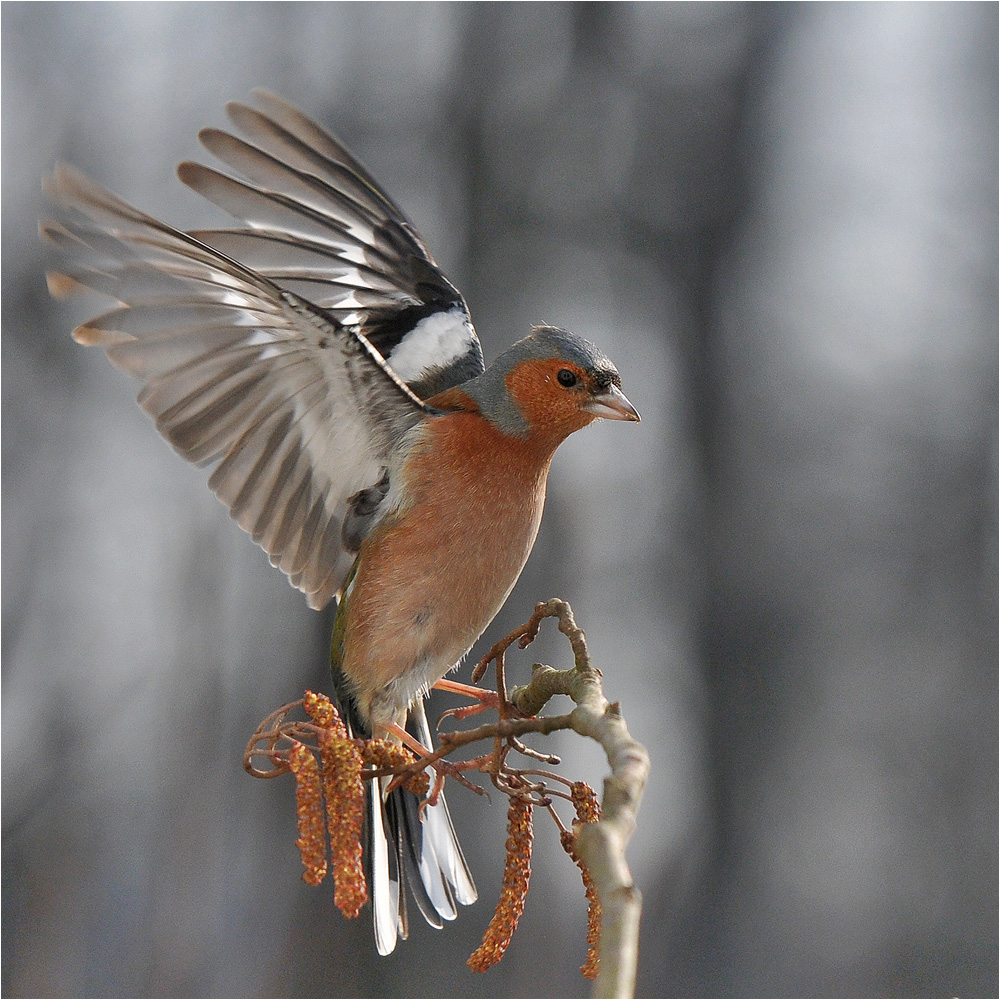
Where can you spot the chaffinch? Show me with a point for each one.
(331, 372)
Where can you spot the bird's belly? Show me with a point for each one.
(429, 583)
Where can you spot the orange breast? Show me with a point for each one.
(432, 577)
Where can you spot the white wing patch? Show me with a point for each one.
(435, 342)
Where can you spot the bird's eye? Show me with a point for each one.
(566, 377)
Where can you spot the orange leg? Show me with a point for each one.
(468, 690)
(442, 767)
(407, 740)
(486, 699)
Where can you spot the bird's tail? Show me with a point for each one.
(409, 850)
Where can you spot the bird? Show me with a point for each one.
(320, 362)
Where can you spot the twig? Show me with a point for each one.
(601, 845)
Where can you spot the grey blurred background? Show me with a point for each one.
(781, 223)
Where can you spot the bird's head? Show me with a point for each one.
(551, 383)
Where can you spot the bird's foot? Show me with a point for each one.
(411, 743)
(442, 768)
(486, 699)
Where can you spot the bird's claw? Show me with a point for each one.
(487, 700)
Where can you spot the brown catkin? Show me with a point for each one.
(382, 753)
(309, 807)
(588, 810)
(517, 872)
(345, 810)
(320, 709)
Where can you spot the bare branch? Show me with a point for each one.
(601, 845)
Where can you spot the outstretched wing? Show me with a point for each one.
(256, 353)
(319, 225)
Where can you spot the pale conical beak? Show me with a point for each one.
(612, 404)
